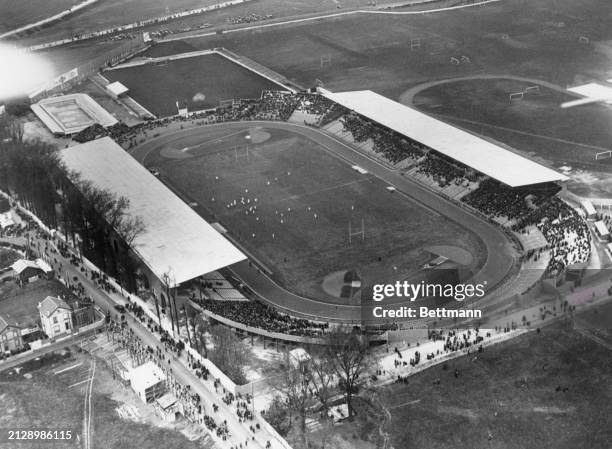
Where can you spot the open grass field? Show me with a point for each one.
(50, 398)
(16, 13)
(298, 203)
(374, 51)
(507, 397)
(201, 82)
(536, 40)
(536, 124)
(21, 304)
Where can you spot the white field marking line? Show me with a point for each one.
(213, 140)
(67, 369)
(314, 192)
(331, 16)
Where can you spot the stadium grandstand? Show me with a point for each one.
(177, 245)
(466, 148)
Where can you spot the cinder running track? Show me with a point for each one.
(500, 252)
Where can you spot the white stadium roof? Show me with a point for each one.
(176, 238)
(469, 149)
(593, 90)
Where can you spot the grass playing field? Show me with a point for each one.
(536, 124)
(50, 398)
(298, 203)
(536, 39)
(201, 81)
(507, 397)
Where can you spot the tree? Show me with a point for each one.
(294, 387)
(200, 328)
(277, 415)
(229, 353)
(347, 355)
(321, 375)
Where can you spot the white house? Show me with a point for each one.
(55, 317)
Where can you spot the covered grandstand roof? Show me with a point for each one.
(469, 149)
(176, 239)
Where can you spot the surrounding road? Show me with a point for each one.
(239, 431)
(500, 253)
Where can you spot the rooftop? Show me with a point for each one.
(480, 154)
(176, 240)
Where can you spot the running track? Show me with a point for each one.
(500, 253)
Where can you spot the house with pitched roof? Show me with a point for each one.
(10, 335)
(55, 317)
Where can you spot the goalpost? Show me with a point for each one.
(603, 155)
(516, 96)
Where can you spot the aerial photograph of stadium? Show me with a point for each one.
(321, 224)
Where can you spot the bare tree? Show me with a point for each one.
(229, 353)
(295, 388)
(321, 375)
(347, 354)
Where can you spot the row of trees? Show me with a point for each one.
(95, 220)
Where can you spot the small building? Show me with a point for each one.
(10, 335)
(28, 270)
(589, 209)
(55, 317)
(602, 230)
(148, 381)
(167, 407)
(116, 89)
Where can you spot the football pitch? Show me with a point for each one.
(201, 82)
(534, 123)
(291, 204)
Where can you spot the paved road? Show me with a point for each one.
(239, 432)
(500, 253)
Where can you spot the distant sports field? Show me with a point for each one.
(536, 124)
(200, 82)
(537, 39)
(290, 204)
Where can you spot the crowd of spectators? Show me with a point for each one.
(253, 17)
(444, 171)
(262, 316)
(391, 145)
(495, 199)
(565, 230)
(96, 131)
